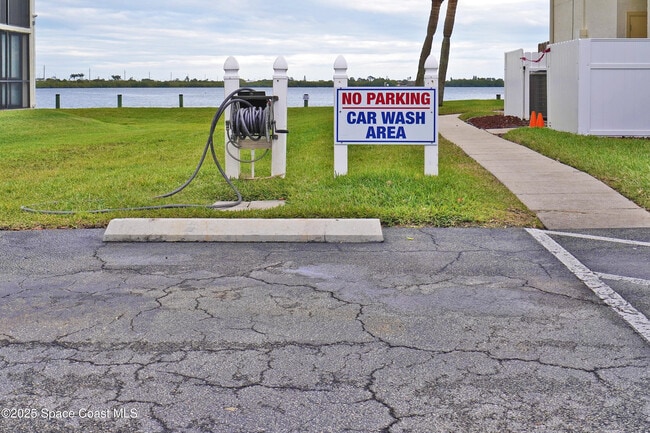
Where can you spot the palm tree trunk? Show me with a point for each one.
(444, 51)
(428, 40)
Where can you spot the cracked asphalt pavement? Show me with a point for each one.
(434, 330)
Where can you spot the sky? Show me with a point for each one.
(174, 39)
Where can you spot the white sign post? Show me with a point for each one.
(386, 115)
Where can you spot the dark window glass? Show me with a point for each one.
(14, 70)
(3, 54)
(16, 53)
(15, 94)
(18, 13)
(3, 11)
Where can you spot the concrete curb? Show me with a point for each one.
(243, 230)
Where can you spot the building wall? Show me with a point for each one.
(625, 6)
(597, 81)
(17, 77)
(576, 19)
(562, 20)
(600, 19)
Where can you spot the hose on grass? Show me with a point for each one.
(251, 126)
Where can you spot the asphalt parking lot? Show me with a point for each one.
(434, 330)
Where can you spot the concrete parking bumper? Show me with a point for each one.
(243, 230)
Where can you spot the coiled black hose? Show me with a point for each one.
(249, 122)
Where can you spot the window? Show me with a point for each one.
(15, 13)
(14, 70)
(14, 54)
(3, 54)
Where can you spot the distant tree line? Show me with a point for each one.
(117, 81)
(77, 81)
(475, 82)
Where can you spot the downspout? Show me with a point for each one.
(584, 31)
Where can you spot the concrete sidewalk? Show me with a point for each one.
(561, 196)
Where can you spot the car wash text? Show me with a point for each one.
(386, 116)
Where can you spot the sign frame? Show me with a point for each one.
(386, 116)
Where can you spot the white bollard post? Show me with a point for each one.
(431, 81)
(340, 150)
(280, 89)
(231, 84)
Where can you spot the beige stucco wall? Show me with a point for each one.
(574, 19)
(625, 6)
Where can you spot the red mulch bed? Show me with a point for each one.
(497, 121)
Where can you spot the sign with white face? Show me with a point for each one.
(396, 115)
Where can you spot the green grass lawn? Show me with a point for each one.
(86, 159)
(621, 163)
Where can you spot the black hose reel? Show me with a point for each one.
(251, 124)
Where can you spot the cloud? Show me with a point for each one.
(378, 37)
(391, 7)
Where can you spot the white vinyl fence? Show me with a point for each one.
(514, 100)
(600, 87)
(518, 68)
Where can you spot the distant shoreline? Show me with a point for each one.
(209, 96)
(53, 83)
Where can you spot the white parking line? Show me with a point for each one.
(613, 277)
(599, 238)
(631, 315)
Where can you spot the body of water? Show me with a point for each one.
(210, 96)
